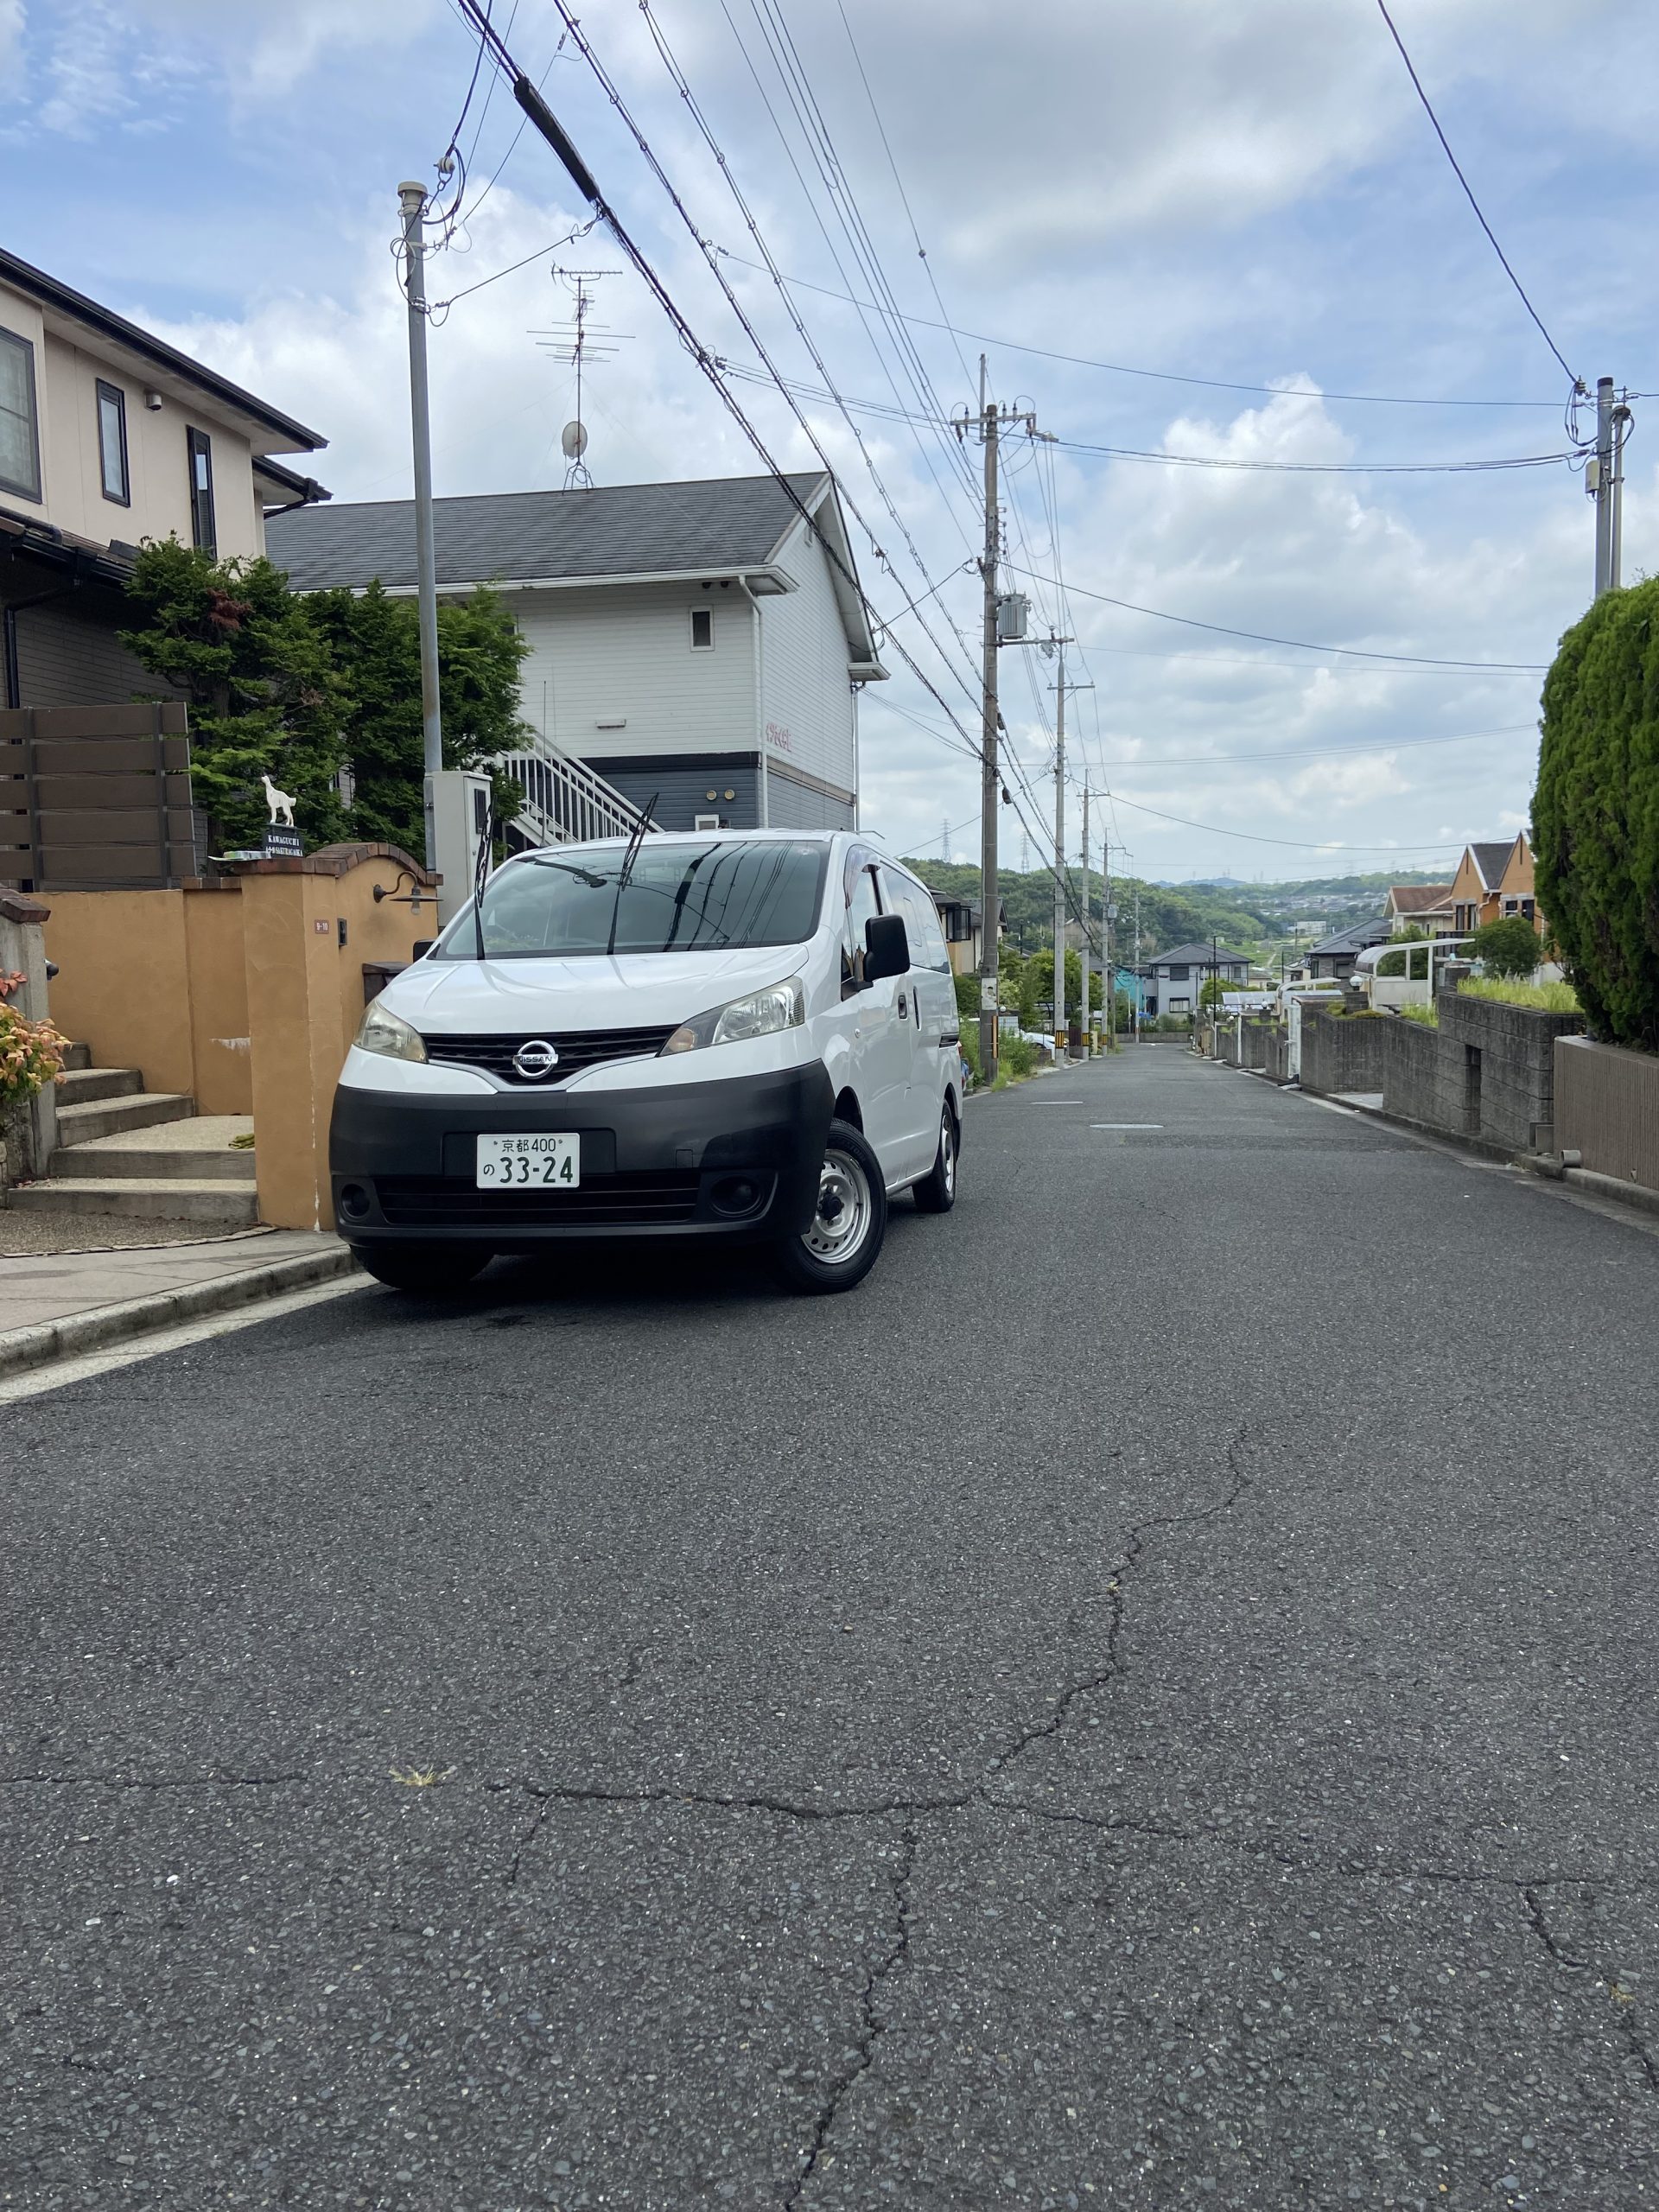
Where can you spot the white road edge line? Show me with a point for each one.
(56, 1373)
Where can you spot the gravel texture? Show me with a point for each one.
(28, 1235)
(1148, 1702)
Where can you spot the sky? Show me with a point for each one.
(1221, 232)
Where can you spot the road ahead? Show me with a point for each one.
(1148, 1702)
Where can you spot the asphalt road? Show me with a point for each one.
(1148, 1702)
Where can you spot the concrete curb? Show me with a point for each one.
(21, 1349)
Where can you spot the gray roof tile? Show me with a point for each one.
(620, 530)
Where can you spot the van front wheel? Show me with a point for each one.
(839, 1245)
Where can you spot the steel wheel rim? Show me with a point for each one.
(947, 1153)
(842, 1220)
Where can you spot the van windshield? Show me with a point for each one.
(569, 900)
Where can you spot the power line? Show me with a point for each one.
(892, 414)
(1314, 755)
(1122, 369)
(1301, 844)
(1572, 379)
(1262, 638)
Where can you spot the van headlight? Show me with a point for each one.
(382, 1031)
(780, 1006)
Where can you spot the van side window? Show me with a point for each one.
(915, 902)
(861, 905)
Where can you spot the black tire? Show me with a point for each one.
(937, 1192)
(426, 1267)
(840, 1247)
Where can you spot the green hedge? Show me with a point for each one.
(1595, 813)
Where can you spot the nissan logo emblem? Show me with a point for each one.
(534, 1058)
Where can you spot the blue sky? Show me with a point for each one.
(1243, 193)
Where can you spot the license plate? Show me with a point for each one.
(534, 1163)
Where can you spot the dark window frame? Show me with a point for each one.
(112, 391)
(705, 645)
(204, 531)
(26, 347)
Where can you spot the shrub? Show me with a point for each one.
(1595, 813)
(31, 1053)
(967, 1002)
(1017, 1058)
(1509, 947)
(1429, 1016)
(1550, 998)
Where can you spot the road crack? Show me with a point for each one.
(873, 2021)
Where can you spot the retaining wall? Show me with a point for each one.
(1487, 1073)
(1608, 1109)
(1343, 1052)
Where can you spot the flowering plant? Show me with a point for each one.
(31, 1053)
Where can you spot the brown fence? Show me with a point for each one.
(95, 798)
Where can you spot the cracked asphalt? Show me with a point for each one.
(1148, 1702)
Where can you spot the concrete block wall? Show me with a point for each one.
(1342, 1052)
(1411, 1085)
(1498, 1069)
(1608, 1109)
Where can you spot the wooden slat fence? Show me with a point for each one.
(96, 798)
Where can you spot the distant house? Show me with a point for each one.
(701, 646)
(1426, 906)
(109, 436)
(963, 922)
(1174, 979)
(1475, 893)
(1333, 958)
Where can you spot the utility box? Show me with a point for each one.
(1013, 618)
(460, 804)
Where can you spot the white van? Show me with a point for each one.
(738, 1035)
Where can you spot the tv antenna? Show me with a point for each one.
(576, 342)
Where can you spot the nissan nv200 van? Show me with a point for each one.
(727, 1036)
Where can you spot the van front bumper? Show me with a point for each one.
(738, 1159)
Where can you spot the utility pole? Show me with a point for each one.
(1109, 981)
(1060, 1034)
(412, 199)
(1083, 955)
(1621, 431)
(991, 421)
(1140, 985)
(1603, 487)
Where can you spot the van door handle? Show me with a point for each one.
(904, 1007)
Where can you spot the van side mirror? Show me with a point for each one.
(886, 947)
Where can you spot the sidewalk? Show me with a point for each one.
(56, 1304)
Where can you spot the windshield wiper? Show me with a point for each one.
(628, 859)
(481, 874)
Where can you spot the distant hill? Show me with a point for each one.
(1167, 917)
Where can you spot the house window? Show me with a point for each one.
(1180, 1006)
(202, 533)
(20, 445)
(1176, 975)
(703, 628)
(113, 442)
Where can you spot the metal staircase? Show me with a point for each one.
(565, 801)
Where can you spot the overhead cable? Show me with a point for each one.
(1154, 376)
(1263, 638)
(1572, 375)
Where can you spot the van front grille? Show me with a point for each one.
(589, 1048)
(605, 1202)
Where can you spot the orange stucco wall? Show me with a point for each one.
(244, 996)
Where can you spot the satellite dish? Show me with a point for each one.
(574, 440)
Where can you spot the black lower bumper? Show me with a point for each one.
(738, 1159)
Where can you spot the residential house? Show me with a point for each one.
(1333, 959)
(1475, 888)
(108, 436)
(1423, 906)
(699, 645)
(1516, 893)
(1174, 979)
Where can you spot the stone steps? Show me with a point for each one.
(81, 1085)
(81, 1122)
(203, 1149)
(212, 1203)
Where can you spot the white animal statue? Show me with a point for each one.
(281, 803)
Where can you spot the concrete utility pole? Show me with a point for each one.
(989, 782)
(1083, 955)
(1060, 1034)
(412, 199)
(1604, 484)
(1109, 976)
(991, 421)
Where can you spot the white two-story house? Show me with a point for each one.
(701, 646)
(109, 436)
